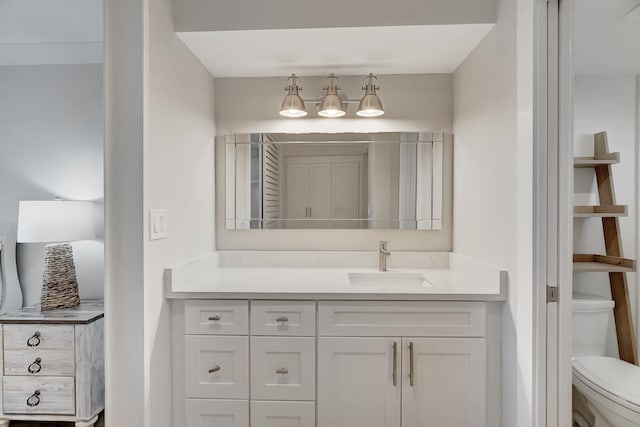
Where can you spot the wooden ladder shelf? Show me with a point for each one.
(613, 262)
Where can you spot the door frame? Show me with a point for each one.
(553, 224)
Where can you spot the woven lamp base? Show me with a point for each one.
(59, 283)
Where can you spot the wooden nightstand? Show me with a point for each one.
(53, 364)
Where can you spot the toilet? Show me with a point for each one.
(609, 387)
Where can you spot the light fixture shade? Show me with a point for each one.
(293, 105)
(370, 104)
(331, 105)
(55, 221)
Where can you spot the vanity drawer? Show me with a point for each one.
(416, 319)
(216, 317)
(283, 368)
(39, 362)
(214, 413)
(217, 367)
(283, 318)
(37, 336)
(280, 414)
(48, 395)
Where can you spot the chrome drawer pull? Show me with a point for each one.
(35, 367)
(282, 319)
(214, 369)
(34, 341)
(282, 371)
(215, 318)
(34, 399)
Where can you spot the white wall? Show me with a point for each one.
(606, 103)
(179, 177)
(51, 144)
(493, 186)
(411, 102)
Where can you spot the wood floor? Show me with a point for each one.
(99, 423)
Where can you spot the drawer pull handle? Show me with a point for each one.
(215, 318)
(282, 371)
(35, 367)
(411, 373)
(282, 319)
(34, 399)
(214, 369)
(34, 341)
(394, 374)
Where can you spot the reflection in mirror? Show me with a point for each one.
(388, 180)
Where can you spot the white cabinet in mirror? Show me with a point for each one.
(385, 180)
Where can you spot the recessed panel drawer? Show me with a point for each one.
(40, 337)
(217, 413)
(283, 318)
(38, 395)
(283, 414)
(39, 362)
(217, 367)
(283, 368)
(434, 319)
(216, 317)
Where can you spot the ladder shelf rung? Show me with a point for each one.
(601, 160)
(602, 211)
(602, 263)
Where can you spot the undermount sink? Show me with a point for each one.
(387, 278)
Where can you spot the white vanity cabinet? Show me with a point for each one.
(435, 376)
(333, 363)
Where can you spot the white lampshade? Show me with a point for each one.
(55, 221)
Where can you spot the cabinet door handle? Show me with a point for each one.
(34, 341)
(35, 367)
(282, 319)
(282, 371)
(34, 399)
(214, 318)
(411, 364)
(395, 364)
(214, 369)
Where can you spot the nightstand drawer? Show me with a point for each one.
(45, 395)
(216, 317)
(39, 362)
(41, 337)
(297, 318)
(283, 368)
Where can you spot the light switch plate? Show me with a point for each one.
(158, 224)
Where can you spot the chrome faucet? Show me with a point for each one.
(383, 254)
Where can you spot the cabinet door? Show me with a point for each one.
(356, 382)
(320, 195)
(443, 382)
(345, 194)
(297, 195)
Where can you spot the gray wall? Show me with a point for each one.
(51, 144)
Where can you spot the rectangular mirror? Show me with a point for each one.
(386, 180)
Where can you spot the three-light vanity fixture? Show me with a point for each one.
(331, 104)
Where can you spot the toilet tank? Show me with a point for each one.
(592, 316)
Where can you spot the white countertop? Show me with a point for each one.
(461, 279)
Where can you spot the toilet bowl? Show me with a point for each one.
(611, 388)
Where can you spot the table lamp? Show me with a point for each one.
(59, 222)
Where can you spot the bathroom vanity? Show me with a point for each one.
(336, 346)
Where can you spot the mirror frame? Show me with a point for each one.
(426, 214)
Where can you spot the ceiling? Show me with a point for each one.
(607, 37)
(50, 32)
(344, 51)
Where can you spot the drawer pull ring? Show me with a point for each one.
(34, 341)
(34, 399)
(214, 369)
(35, 367)
(215, 318)
(282, 319)
(282, 371)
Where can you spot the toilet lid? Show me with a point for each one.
(614, 376)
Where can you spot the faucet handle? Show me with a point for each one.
(383, 244)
